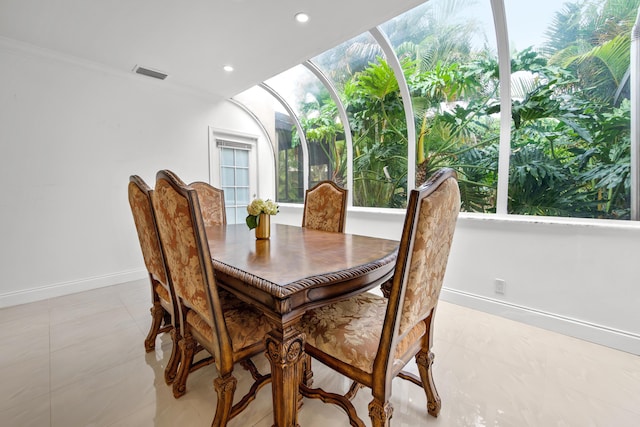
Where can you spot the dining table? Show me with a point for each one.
(295, 270)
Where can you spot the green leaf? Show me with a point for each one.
(252, 221)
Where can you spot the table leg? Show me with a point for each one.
(285, 351)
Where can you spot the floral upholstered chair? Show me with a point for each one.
(211, 202)
(163, 311)
(370, 338)
(325, 207)
(230, 330)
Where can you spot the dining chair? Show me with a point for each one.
(163, 311)
(230, 330)
(325, 207)
(211, 203)
(370, 338)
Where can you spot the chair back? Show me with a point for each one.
(188, 259)
(145, 220)
(325, 207)
(211, 203)
(424, 249)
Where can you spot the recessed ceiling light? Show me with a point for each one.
(228, 68)
(302, 17)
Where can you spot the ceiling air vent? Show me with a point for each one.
(150, 73)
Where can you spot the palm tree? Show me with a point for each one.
(450, 82)
(593, 40)
(599, 56)
(376, 116)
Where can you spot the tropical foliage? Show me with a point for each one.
(570, 111)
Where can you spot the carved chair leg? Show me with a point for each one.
(167, 319)
(306, 376)
(187, 351)
(157, 314)
(225, 388)
(380, 413)
(171, 369)
(353, 390)
(307, 372)
(386, 287)
(424, 360)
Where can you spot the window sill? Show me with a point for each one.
(550, 220)
(495, 218)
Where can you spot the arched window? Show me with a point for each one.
(530, 103)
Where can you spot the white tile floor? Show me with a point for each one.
(79, 360)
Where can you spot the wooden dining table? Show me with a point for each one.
(297, 269)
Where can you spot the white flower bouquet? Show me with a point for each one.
(257, 207)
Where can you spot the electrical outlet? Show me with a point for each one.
(501, 286)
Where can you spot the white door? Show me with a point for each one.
(232, 163)
(234, 179)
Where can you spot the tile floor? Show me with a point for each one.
(79, 360)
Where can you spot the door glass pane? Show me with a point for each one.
(228, 175)
(241, 215)
(231, 214)
(229, 195)
(242, 194)
(242, 177)
(226, 157)
(242, 158)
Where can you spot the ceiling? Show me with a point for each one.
(191, 40)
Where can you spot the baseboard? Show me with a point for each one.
(610, 337)
(65, 288)
(599, 334)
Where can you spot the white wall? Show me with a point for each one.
(576, 278)
(71, 136)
